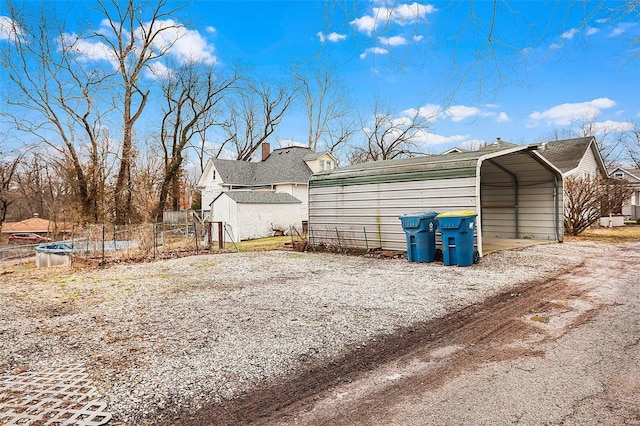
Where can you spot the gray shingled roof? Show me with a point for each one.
(565, 154)
(259, 197)
(284, 165)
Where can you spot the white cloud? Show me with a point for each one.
(460, 112)
(402, 15)
(417, 37)
(569, 34)
(332, 37)
(393, 41)
(210, 29)
(431, 112)
(9, 29)
(374, 51)
(503, 117)
(366, 24)
(592, 31)
(564, 114)
(158, 70)
(183, 44)
(555, 46)
(409, 13)
(609, 126)
(88, 51)
(425, 137)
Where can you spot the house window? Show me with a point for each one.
(618, 175)
(214, 175)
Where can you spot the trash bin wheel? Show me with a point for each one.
(476, 257)
(438, 256)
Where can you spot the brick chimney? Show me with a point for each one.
(266, 150)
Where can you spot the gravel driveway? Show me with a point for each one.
(172, 336)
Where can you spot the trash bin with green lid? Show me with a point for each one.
(457, 229)
(420, 230)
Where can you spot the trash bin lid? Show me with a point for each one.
(459, 213)
(416, 220)
(429, 214)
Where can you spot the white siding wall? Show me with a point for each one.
(225, 210)
(212, 189)
(587, 166)
(301, 192)
(374, 209)
(250, 221)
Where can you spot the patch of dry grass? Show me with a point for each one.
(270, 243)
(609, 235)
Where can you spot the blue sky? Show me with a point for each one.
(551, 65)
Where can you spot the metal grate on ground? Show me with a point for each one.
(61, 396)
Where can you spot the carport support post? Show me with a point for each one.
(220, 236)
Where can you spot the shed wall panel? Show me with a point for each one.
(368, 215)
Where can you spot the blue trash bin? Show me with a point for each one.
(420, 230)
(457, 229)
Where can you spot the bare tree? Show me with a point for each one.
(329, 115)
(390, 137)
(8, 166)
(254, 115)
(140, 33)
(631, 141)
(53, 99)
(587, 199)
(191, 94)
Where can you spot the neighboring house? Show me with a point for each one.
(630, 209)
(575, 157)
(452, 150)
(283, 171)
(35, 225)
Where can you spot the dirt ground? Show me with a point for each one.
(564, 351)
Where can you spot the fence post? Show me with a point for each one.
(154, 240)
(209, 236)
(293, 246)
(195, 235)
(339, 243)
(73, 232)
(220, 236)
(103, 244)
(366, 241)
(312, 239)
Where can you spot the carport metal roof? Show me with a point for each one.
(431, 167)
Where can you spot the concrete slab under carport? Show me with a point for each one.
(491, 245)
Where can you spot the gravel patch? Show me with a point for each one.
(174, 335)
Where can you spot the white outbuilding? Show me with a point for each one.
(515, 191)
(255, 214)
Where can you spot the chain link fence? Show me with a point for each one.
(102, 244)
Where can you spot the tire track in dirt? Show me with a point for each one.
(362, 383)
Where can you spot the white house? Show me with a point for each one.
(630, 209)
(575, 157)
(283, 171)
